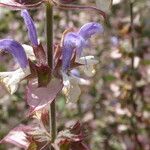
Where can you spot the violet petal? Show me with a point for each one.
(72, 41)
(89, 29)
(31, 27)
(16, 50)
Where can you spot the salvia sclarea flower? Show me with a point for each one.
(11, 79)
(72, 48)
(20, 52)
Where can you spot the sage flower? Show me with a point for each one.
(11, 79)
(73, 81)
(73, 45)
(75, 42)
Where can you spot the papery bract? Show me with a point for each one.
(20, 4)
(39, 97)
(71, 139)
(17, 136)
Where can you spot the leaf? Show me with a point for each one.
(104, 5)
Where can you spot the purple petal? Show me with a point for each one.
(31, 27)
(72, 41)
(89, 29)
(16, 50)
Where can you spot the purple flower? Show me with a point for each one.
(16, 50)
(75, 42)
(72, 42)
(31, 27)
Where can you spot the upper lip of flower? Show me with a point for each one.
(30, 26)
(16, 50)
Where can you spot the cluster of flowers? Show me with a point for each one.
(44, 82)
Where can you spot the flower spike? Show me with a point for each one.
(16, 50)
(31, 27)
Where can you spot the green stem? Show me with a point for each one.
(49, 34)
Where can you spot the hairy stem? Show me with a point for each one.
(49, 34)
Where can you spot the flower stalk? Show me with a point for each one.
(49, 36)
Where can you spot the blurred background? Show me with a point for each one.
(115, 106)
